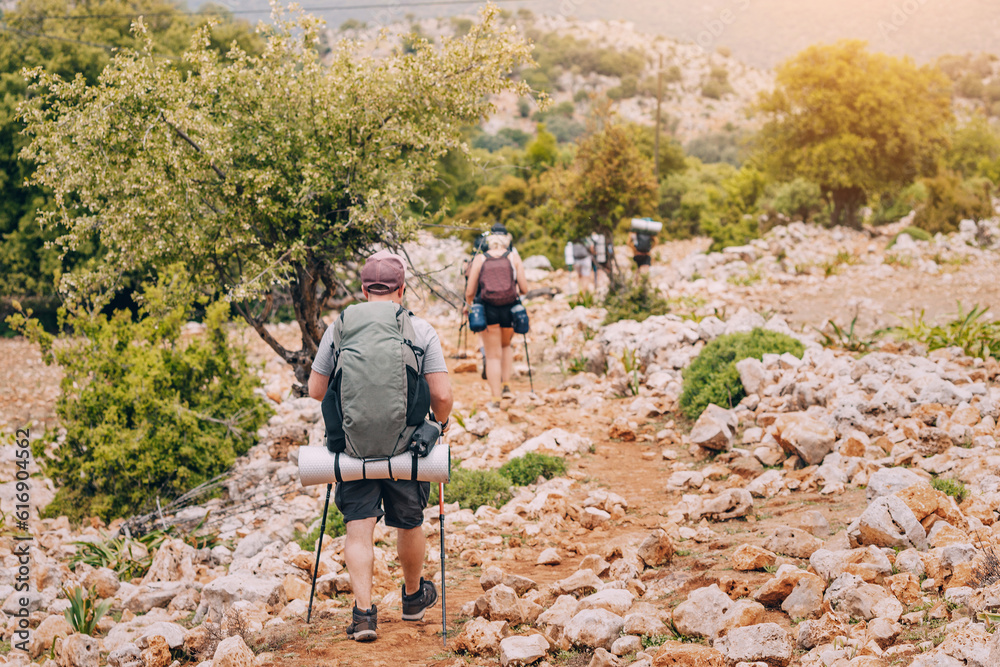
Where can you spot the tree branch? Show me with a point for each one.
(180, 133)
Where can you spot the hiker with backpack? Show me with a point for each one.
(642, 244)
(378, 371)
(496, 280)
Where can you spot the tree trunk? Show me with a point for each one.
(846, 203)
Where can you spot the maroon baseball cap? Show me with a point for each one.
(383, 273)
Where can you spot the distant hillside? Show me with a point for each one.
(759, 32)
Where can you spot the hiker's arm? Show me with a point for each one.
(441, 398)
(317, 385)
(522, 280)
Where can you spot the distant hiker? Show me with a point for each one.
(603, 253)
(642, 244)
(583, 264)
(496, 279)
(363, 351)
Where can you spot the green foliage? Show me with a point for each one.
(951, 200)
(335, 527)
(914, 233)
(712, 377)
(636, 302)
(526, 469)
(585, 299)
(799, 199)
(632, 365)
(257, 186)
(84, 612)
(128, 557)
(971, 331)
(975, 146)
(953, 487)
(856, 123)
(506, 137)
(542, 152)
(716, 84)
(146, 416)
(724, 146)
(69, 48)
(472, 489)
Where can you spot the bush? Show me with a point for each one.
(800, 199)
(952, 487)
(637, 302)
(914, 233)
(472, 489)
(526, 469)
(951, 200)
(335, 527)
(146, 417)
(712, 376)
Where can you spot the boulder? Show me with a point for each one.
(503, 604)
(808, 438)
(626, 644)
(748, 557)
(156, 653)
(103, 580)
(967, 646)
(616, 600)
(173, 633)
(221, 593)
(657, 549)
(776, 590)
(806, 599)
(710, 613)
(764, 642)
(80, 651)
(712, 431)
(887, 522)
(592, 517)
(521, 650)
(793, 542)
(594, 628)
(730, 504)
(752, 374)
(644, 625)
(233, 652)
(152, 595)
(46, 633)
(823, 631)
(549, 556)
(581, 581)
(125, 656)
(604, 658)
(481, 637)
(887, 481)
(676, 654)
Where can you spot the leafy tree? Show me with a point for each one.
(146, 416)
(542, 152)
(951, 200)
(974, 147)
(611, 181)
(799, 199)
(854, 122)
(263, 171)
(67, 48)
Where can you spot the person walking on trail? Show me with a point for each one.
(642, 245)
(583, 265)
(496, 280)
(364, 502)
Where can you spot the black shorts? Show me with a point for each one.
(643, 260)
(499, 315)
(401, 502)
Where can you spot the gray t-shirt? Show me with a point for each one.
(426, 339)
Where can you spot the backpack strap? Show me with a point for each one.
(409, 334)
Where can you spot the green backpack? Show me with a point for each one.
(377, 394)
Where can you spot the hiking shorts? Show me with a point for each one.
(499, 315)
(643, 260)
(401, 502)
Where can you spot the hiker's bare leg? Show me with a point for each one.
(494, 363)
(507, 365)
(360, 556)
(411, 546)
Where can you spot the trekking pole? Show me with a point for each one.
(319, 548)
(444, 604)
(528, 359)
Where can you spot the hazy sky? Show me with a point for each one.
(762, 32)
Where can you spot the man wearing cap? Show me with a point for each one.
(364, 502)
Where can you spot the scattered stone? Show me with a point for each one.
(156, 653)
(549, 556)
(748, 557)
(520, 650)
(764, 642)
(676, 654)
(656, 550)
(793, 542)
(594, 628)
(808, 438)
(233, 652)
(80, 651)
(481, 636)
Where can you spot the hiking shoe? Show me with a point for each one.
(483, 352)
(415, 605)
(364, 625)
(507, 393)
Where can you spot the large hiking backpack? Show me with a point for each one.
(643, 242)
(377, 394)
(498, 281)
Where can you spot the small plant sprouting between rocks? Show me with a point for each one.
(972, 331)
(953, 487)
(84, 610)
(987, 572)
(630, 360)
(128, 557)
(847, 337)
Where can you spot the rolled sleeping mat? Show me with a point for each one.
(646, 226)
(318, 466)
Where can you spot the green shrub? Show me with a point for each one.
(712, 377)
(335, 527)
(800, 199)
(951, 200)
(638, 302)
(914, 233)
(128, 557)
(146, 416)
(953, 487)
(526, 469)
(472, 489)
